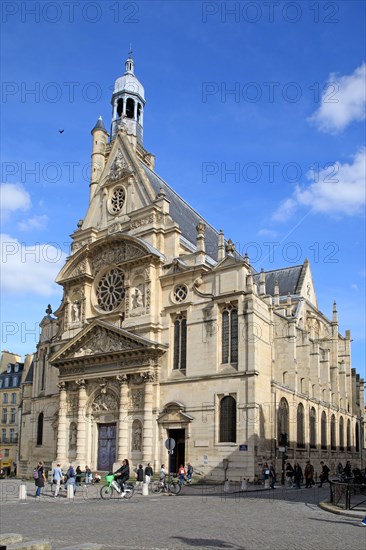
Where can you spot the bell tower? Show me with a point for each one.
(128, 102)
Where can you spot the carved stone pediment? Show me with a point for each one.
(119, 168)
(174, 413)
(115, 254)
(102, 338)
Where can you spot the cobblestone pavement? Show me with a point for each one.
(198, 518)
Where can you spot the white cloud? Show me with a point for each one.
(13, 197)
(35, 223)
(339, 190)
(29, 269)
(336, 190)
(285, 211)
(267, 233)
(343, 101)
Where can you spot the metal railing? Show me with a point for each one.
(347, 494)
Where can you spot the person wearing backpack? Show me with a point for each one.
(71, 480)
(39, 479)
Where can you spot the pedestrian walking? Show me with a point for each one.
(148, 473)
(272, 475)
(189, 472)
(265, 471)
(57, 477)
(78, 473)
(297, 475)
(309, 475)
(70, 478)
(182, 474)
(289, 474)
(39, 479)
(324, 476)
(140, 476)
(88, 475)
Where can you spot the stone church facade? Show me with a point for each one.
(165, 330)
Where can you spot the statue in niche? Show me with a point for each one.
(137, 438)
(75, 312)
(137, 297)
(72, 436)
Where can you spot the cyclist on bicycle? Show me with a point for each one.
(122, 475)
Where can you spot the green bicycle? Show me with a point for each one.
(111, 488)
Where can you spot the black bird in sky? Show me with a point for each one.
(61, 131)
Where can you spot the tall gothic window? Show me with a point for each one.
(180, 343)
(227, 420)
(300, 426)
(348, 435)
(341, 434)
(323, 435)
(40, 429)
(312, 428)
(357, 438)
(333, 433)
(283, 420)
(230, 335)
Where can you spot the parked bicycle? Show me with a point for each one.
(166, 485)
(111, 488)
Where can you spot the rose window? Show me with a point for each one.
(180, 293)
(110, 290)
(117, 199)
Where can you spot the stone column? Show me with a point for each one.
(122, 451)
(148, 418)
(61, 432)
(81, 433)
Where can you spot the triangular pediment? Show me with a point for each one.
(122, 171)
(174, 413)
(229, 261)
(102, 338)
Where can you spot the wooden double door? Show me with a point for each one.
(106, 446)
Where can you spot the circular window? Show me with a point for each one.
(180, 293)
(117, 200)
(110, 290)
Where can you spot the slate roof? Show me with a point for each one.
(186, 217)
(288, 279)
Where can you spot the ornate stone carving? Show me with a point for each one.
(72, 436)
(148, 376)
(61, 386)
(122, 379)
(105, 403)
(138, 297)
(136, 399)
(142, 221)
(72, 404)
(136, 435)
(119, 168)
(80, 269)
(115, 255)
(114, 228)
(80, 383)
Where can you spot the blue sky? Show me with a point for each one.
(255, 112)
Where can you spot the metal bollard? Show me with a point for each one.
(70, 492)
(266, 484)
(244, 485)
(145, 490)
(227, 487)
(23, 492)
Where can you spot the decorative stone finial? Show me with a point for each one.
(49, 309)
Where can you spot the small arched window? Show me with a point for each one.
(180, 343)
(312, 428)
(333, 433)
(283, 421)
(130, 108)
(228, 419)
(120, 108)
(357, 438)
(300, 426)
(323, 430)
(230, 335)
(341, 434)
(349, 444)
(40, 429)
